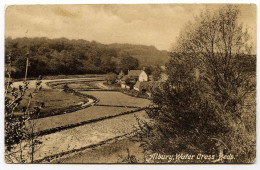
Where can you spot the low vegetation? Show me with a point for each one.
(55, 101)
(111, 78)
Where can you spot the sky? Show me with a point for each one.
(156, 25)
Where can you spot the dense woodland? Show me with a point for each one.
(63, 56)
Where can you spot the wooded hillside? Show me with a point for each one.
(63, 56)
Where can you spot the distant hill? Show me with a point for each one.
(147, 55)
(64, 56)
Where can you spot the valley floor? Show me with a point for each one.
(107, 121)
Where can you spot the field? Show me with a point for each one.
(53, 99)
(86, 135)
(111, 116)
(114, 152)
(76, 117)
(55, 77)
(110, 99)
(73, 76)
(76, 84)
(117, 99)
(79, 86)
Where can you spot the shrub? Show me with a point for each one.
(111, 78)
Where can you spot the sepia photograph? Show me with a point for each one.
(130, 83)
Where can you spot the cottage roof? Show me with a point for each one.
(134, 73)
(124, 78)
(121, 73)
(137, 84)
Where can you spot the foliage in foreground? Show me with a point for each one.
(21, 141)
(200, 109)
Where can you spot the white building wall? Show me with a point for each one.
(136, 88)
(143, 77)
(123, 86)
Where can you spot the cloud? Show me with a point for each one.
(156, 25)
(66, 13)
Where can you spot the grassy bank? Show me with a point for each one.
(55, 101)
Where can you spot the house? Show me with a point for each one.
(121, 75)
(128, 81)
(139, 75)
(137, 86)
(124, 83)
(125, 86)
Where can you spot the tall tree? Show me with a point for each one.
(128, 62)
(200, 106)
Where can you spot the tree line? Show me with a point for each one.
(63, 56)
